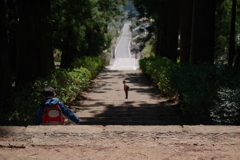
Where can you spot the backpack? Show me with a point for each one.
(52, 115)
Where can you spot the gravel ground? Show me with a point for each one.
(120, 142)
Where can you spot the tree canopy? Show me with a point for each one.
(31, 32)
(200, 29)
(194, 31)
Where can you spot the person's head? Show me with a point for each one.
(48, 92)
(124, 82)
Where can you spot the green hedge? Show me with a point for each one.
(159, 68)
(93, 64)
(207, 92)
(67, 83)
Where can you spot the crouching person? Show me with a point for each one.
(51, 110)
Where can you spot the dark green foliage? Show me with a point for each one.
(67, 83)
(227, 109)
(197, 29)
(93, 64)
(197, 87)
(222, 36)
(26, 104)
(75, 28)
(80, 27)
(144, 62)
(207, 93)
(159, 68)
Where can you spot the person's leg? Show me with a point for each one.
(126, 94)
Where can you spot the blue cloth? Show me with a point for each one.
(51, 102)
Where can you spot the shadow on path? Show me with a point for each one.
(105, 104)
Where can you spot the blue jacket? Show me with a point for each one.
(51, 102)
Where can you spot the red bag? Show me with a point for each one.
(52, 115)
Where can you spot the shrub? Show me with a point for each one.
(68, 85)
(26, 104)
(158, 68)
(146, 62)
(197, 87)
(105, 58)
(148, 49)
(93, 64)
(227, 109)
(227, 105)
(201, 88)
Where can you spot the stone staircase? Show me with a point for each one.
(105, 102)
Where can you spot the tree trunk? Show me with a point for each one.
(172, 29)
(162, 42)
(25, 55)
(185, 29)
(43, 38)
(65, 59)
(5, 80)
(68, 53)
(35, 57)
(161, 23)
(12, 26)
(232, 34)
(237, 62)
(158, 47)
(203, 27)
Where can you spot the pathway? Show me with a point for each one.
(123, 59)
(105, 102)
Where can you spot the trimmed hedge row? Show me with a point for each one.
(208, 93)
(68, 83)
(93, 64)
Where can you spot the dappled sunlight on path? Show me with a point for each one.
(105, 102)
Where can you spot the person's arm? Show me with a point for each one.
(39, 114)
(67, 112)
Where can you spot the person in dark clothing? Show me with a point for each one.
(50, 99)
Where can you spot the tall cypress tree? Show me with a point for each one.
(5, 80)
(232, 34)
(172, 29)
(203, 27)
(35, 57)
(185, 29)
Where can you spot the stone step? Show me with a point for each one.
(155, 120)
(105, 102)
(126, 109)
(88, 135)
(128, 118)
(149, 123)
(124, 115)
